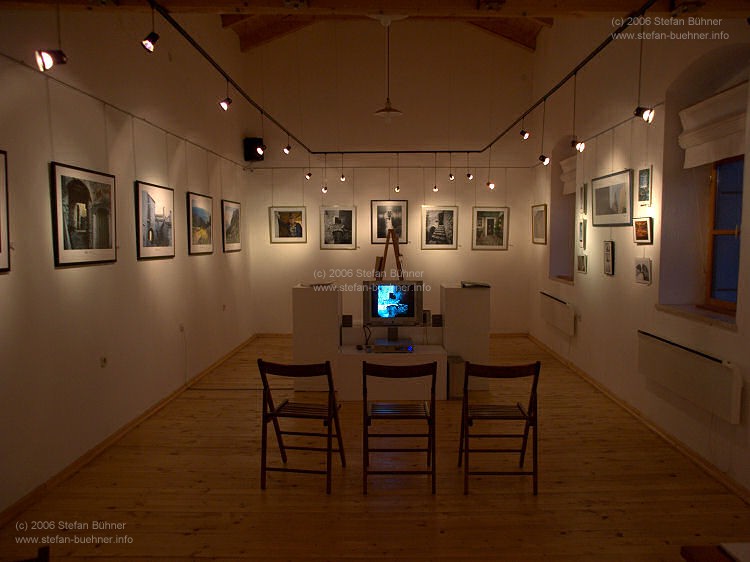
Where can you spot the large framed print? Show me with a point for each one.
(200, 211)
(288, 225)
(83, 215)
(612, 199)
(338, 228)
(489, 228)
(4, 229)
(230, 226)
(439, 227)
(386, 215)
(154, 212)
(539, 224)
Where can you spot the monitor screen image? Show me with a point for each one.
(395, 303)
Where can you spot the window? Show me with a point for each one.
(724, 235)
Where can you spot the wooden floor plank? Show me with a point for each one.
(185, 485)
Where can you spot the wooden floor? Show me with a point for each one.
(185, 485)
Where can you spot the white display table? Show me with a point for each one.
(347, 374)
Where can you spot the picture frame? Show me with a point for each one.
(582, 234)
(154, 221)
(583, 190)
(643, 271)
(83, 215)
(644, 187)
(231, 226)
(200, 210)
(338, 228)
(4, 225)
(539, 224)
(385, 214)
(490, 227)
(609, 257)
(288, 225)
(439, 227)
(612, 199)
(643, 231)
(582, 263)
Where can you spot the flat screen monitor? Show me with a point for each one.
(392, 303)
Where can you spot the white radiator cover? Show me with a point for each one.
(710, 384)
(558, 313)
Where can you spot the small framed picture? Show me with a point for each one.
(612, 198)
(582, 261)
(490, 228)
(643, 230)
(609, 257)
(583, 190)
(643, 271)
(4, 230)
(83, 219)
(644, 187)
(539, 224)
(200, 210)
(387, 215)
(338, 228)
(154, 210)
(439, 227)
(231, 237)
(288, 225)
(582, 234)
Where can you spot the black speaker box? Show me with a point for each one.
(249, 147)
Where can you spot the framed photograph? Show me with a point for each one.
(644, 187)
(154, 229)
(4, 229)
(643, 271)
(83, 215)
(439, 227)
(230, 226)
(582, 262)
(200, 210)
(338, 228)
(490, 228)
(583, 190)
(609, 257)
(539, 224)
(582, 234)
(612, 197)
(385, 215)
(643, 230)
(288, 225)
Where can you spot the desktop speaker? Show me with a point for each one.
(426, 318)
(437, 320)
(346, 321)
(250, 149)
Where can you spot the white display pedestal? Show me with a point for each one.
(347, 374)
(466, 326)
(316, 319)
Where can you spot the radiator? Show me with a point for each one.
(558, 313)
(705, 381)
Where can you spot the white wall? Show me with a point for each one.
(611, 309)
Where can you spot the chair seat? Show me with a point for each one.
(303, 410)
(496, 412)
(399, 411)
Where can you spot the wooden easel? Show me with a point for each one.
(392, 237)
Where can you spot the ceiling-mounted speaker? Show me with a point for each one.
(250, 147)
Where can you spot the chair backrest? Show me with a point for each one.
(399, 372)
(505, 372)
(294, 371)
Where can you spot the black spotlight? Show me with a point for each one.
(250, 147)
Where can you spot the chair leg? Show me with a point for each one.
(365, 453)
(279, 439)
(524, 442)
(461, 437)
(339, 437)
(433, 450)
(263, 449)
(329, 445)
(466, 455)
(535, 457)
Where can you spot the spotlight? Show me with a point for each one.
(645, 113)
(261, 149)
(343, 177)
(287, 149)
(435, 188)
(225, 103)
(397, 189)
(46, 59)
(469, 176)
(544, 159)
(579, 145)
(491, 184)
(150, 41)
(308, 175)
(451, 177)
(524, 134)
(324, 189)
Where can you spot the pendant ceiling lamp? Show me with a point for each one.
(387, 111)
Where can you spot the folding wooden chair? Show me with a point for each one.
(407, 410)
(327, 413)
(473, 412)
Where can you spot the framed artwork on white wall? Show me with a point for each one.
(643, 271)
(609, 257)
(439, 227)
(386, 215)
(154, 225)
(539, 224)
(231, 227)
(612, 199)
(643, 230)
(200, 210)
(338, 228)
(644, 187)
(288, 225)
(4, 228)
(582, 261)
(490, 228)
